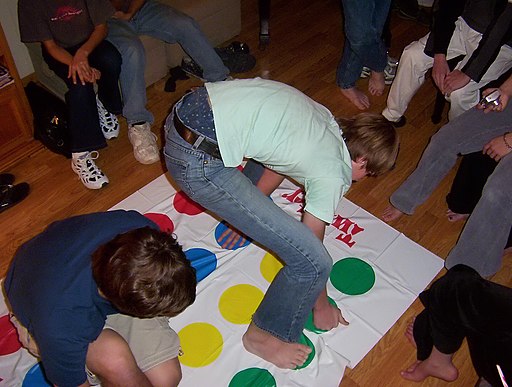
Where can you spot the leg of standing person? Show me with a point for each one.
(364, 22)
(281, 316)
(466, 134)
(86, 136)
(486, 232)
(172, 26)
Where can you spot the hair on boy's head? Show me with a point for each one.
(372, 137)
(144, 273)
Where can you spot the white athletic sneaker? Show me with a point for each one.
(108, 121)
(85, 167)
(144, 145)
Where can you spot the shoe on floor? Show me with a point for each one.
(90, 174)
(389, 71)
(189, 66)
(108, 121)
(6, 179)
(12, 194)
(398, 124)
(143, 141)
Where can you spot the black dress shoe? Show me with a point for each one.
(398, 124)
(12, 194)
(6, 179)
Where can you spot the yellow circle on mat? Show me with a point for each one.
(201, 344)
(238, 303)
(270, 266)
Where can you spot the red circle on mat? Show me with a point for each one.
(185, 205)
(162, 220)
(9, 342)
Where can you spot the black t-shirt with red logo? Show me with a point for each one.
(67, 22)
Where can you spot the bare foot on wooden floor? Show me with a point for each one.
(409, 332)
(455, 217)
(391, 213)
(376, 83)
(273, 350)
(420, 370)
(357, 97)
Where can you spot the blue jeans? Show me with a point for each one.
(364, 22)
(485, 234)
(233, 197)
(170, 25)
(83, 119)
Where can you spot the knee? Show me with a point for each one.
(132, 51)
(494, 193)
(184, 25)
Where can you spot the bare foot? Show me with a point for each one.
(357, 97)
(409, 332)
(420, 370)
(455, 217)
(376, 83)
(391, 213)
(273, 350)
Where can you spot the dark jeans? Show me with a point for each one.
(83, 119)
(464, 305)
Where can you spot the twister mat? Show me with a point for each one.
(377, 274)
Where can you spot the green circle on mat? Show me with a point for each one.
(250, 377)
(304, 340)
(310, 326)
(352, 276)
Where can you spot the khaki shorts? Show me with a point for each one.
(151, 340)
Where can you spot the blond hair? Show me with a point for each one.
(371, 137)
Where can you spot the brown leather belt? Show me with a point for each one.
(189, 136)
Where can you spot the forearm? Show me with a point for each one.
(97, 36)
(269, 181)
(57, 52)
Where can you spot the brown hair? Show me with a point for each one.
(372, 137)
(144, 273)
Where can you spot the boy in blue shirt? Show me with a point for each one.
(91, 296)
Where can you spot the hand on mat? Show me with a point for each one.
(232, 237)
(328, 317)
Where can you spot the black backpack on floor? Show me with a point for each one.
(50, 119)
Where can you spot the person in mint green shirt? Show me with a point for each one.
(209, 134)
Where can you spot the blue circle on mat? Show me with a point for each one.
(203, 261)
(35, 377)
(218, 232)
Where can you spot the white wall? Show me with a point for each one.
(9, 22)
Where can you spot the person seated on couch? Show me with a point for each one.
(149, 17)
(72, 36)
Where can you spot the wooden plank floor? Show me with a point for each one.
(306, 42)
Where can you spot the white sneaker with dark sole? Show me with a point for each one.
(108, 121)
(144, 144)
(88, 172)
